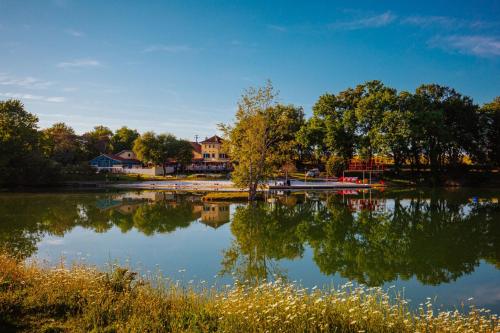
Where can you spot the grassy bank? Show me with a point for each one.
(83, 299)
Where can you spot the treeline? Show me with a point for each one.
(30, 156)
(435, 127)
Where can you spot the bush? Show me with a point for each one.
(334, 166)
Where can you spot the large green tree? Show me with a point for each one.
(97, 141)
(21, 161)
(158, 149)
(123, 139)
(490, 132)
(262, 138)
(61, 144)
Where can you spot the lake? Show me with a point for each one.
(443, 244)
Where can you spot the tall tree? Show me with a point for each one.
(490, 131)
(61, 144)
(378, 101)
(259, 140)
(21, 161)
(158, 149)
(97, 141)
(123, 139)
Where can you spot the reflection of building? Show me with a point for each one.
(215, 214)
(357, 205)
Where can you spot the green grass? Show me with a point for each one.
(84, 299)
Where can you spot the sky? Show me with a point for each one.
(181, 66)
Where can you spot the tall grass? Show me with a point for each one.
(84, 299)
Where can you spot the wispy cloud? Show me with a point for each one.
(25, 82)
(275, 27)
(79, 63)
(446, 22)
(167, 48)
(74, 33)
(373, 21)
(21, 96)
(483, 46)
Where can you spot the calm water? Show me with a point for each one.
(431, 243)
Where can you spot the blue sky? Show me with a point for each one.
(180, 66)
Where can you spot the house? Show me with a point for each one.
(208, 155)
(125, 159)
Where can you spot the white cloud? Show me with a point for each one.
(79, 63)
(22, 96)
(167, 48)
(25, 82)
(483, 46)
(278, 28)
(375, 21)
(75, 33)
(447, 22)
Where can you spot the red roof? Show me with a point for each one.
(196, 147)
(213, 139)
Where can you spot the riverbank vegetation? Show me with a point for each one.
(434, 129)
(84, 299)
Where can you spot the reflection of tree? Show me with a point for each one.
(26, 218)
(436, 240)
(163, 217)
(263, 233)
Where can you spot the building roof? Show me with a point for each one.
(196, 147)
(213, 139)
(121, 159)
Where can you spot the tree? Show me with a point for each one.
(490, 131)
(262, 138)
(184, 153)
(377, 102)
(123, 139)
(158, 149)
(21, 162)
(146, 148)
(61, 144)
(444, 123)
(393, 137)
(97, 141)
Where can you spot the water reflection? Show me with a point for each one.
(371, 238)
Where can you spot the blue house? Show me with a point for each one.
(124, 159)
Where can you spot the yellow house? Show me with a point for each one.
(211, 150)
(208, 155)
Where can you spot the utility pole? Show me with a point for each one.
(196, 138)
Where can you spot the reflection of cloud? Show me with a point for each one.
(483, 46)
(54, 241)
(79, 63)
(21, 96)
(375, 21)
(486, 294)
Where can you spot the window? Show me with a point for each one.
(206, 155)
(213, 155)
(222, 156)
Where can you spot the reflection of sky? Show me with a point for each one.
(198, 250)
